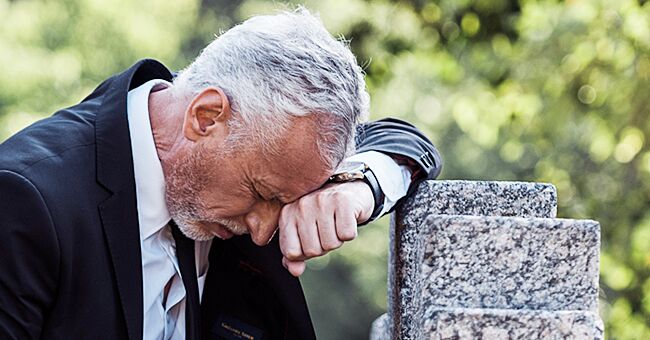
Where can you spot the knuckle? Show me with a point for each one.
(341, 199)
(312, 252)
(321, 198)
(304, 203)
(282, 222)
(347, 234)
(293, 253)
(332, 244)
(287, 209)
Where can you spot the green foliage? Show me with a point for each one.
(508, 90)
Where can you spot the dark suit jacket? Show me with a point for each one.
(70, 262)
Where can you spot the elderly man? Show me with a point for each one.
(110, 207)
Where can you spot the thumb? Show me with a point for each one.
(296, 268)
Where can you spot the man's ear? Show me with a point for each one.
(207, 114)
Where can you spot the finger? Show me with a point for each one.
(346, 224)
(290, 241)
(329, 239)
(309, 239)
(296, 268)
(307, 211)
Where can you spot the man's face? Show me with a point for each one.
(211, 192)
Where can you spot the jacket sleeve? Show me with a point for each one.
(405, 143)
(29, 258)
(399, 138)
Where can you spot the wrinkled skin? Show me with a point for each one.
(217, 187)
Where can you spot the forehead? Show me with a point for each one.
(290, 184)
(296, 170)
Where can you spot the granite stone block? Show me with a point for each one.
(379, 328)
(510, 263)
(479, 198)
(447, 197)
(498, 324)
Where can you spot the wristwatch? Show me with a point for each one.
(352, 171)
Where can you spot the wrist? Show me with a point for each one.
(355, 171)
(378, 195)
(364, 195)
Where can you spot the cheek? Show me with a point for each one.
(224, 193)
(227, 203)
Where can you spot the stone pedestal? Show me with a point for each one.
(496, 324)
(509, 271)
(510, 263)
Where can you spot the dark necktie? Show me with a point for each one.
(187, 264)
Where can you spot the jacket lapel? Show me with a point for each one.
(120, 222)
(118, 213)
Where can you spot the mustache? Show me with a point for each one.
(234, 226)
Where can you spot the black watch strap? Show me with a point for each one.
(377, 193)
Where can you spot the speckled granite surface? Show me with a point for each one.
(510, 263)
(379, 328)
(496, 324)
(480, 198)
(447, 197)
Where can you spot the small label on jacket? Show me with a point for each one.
(235, 329)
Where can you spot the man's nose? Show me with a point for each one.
(262, 221)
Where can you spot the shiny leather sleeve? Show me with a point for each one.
(399, 138)
(405, 143)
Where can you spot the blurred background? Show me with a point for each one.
(553, 91)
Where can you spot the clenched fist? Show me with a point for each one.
(321, 221)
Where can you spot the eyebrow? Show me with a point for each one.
(268, 192)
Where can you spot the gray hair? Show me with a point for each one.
(275, 67)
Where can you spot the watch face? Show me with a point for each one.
(347, 167)
(349, 171)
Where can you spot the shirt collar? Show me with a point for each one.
(149, 178)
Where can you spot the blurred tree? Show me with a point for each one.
(508, 90)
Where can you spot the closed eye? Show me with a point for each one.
(256, 193)
(268, 195)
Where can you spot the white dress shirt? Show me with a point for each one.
(394, 179)
(159, 262)
(166, 319)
